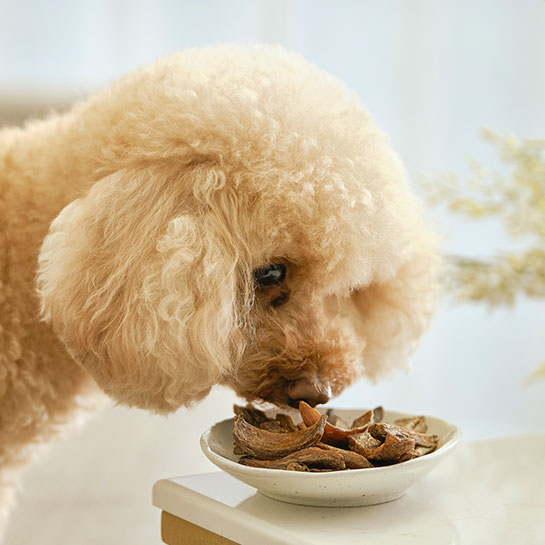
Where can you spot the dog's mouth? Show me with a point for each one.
(284, 391)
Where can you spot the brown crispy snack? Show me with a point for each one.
(267, 444)
(332, 434)
(369, 417)
(272, 425)
(278, 443)
(364, 420)
(415, 453)
(353, 460)
(286, 422)
(416, 423)
(389, 452)
(380, 431)
(308, 457)
(378, 413)
(362, 441)
(295, 466)
(253, 416)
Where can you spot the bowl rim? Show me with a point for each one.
(454, 436)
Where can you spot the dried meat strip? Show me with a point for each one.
(416, 423)
(369, 417)
(362, 441)
(378, 413)
(353, 460)
(311, 457)
(416, 453)
(380, 431)
(286, 422)
(278, 443)
(332, 434)
(295, 466)
(390, 451)
(272, 425)
(267, 444)
(253, 416)
(364, 420)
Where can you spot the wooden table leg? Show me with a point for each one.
(176, 531)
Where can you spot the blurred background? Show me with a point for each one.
(432, 74)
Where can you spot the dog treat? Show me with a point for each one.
(318, 444)
(353, 460)
(253, 416)
(286, 422)
(370, 417)
(415, 453)
(267, 444)
(362, 441)
(332, 434)
(382, 430)
(366, 419)
(281, 424)
(417, 423)
(310, 457)
(272, 425)
(378, 413)
(391, 451)
(296, 466)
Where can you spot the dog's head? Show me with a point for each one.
(251, 227)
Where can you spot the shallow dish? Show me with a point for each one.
(355, 487)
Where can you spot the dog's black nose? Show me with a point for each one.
(310, 389)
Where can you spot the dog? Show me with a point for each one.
(227, 215)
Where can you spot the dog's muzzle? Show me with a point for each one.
(310, 389)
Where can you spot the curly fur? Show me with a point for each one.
(148, 207)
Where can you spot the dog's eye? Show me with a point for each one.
(271, 275)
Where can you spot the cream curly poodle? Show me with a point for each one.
(227, 215)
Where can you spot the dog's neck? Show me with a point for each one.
(62, 148)
(43, 167)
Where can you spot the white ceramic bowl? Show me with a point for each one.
(355, 487)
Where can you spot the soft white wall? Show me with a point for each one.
(432, 74)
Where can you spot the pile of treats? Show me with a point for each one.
(326, 443)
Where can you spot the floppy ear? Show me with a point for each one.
(140, 290)
(393, 313)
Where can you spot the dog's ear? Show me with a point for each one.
(140, 289)
(395, 312)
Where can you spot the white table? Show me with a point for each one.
(489, 491)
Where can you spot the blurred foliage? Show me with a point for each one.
(516, 198)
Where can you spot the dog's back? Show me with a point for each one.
(39, 382)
